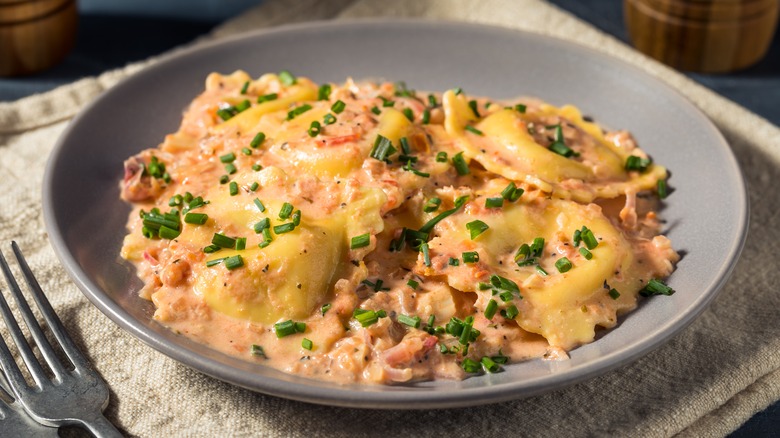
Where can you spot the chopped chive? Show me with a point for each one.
(473, 106)
(432, 101)
(314, 129)
(267, 97)
(426, 254)
(258, 140)
(338, 107)
(382, 148)
(511, 193)
(215, 262)
(243, 105)
(576, 238)
(457, 90)
(563, 264)
(296, 217)
(405, 146)
(325, 307)
(360, 241)
(614, 294)
(267, 238)
(470, 257)
(285, 211)
(196, 218)
(168, 233)
(307, 344)
(240, 243)
(453, 262)
(489, 365)
(223, 241)
(262, 225)
(226, 113)
(541, 271)
(386, 103)
(329, 119)
(484, 286)
(287, 78)
(323, 93)
(285, 328)
(470, 365)
(491, 308)
(432, 205)
(284, 228)
(537, 247)
(505, 296)
(589, 239)
(257, 350)
(233, 186)
(413, 284)
(211, 249)
(376, 110)
(246, 151)
(637, 163)
(298, 111)
(656, 287)
(411, 321)
(259, 205)
(254, 186)
(476, 228)
(426, 116)
(300, 327)
(585, 253)
(230, 168)
(228, 158)
(174, 201)
(409, 114)
(441, 157)
(234, 262)
(245, 87)
(560, 148)
(428, 226)
(460, 164)
(257, 167)
(502, 284)
(662, 189)
(520, 108)
(473, 130)
(510, 312)
(494, 202)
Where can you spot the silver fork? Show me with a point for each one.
(74, 396)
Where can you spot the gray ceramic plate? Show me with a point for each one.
(707, 213)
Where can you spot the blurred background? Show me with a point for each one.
(108, 34)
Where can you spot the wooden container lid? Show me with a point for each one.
(35, 34)
(703, 35)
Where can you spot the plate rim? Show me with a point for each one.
(389, 399)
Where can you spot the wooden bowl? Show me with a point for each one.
(35, 34)
(711, 36)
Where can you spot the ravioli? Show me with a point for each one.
(369, 233)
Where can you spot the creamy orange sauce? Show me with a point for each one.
(390, 232)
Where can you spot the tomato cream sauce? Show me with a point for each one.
(365, 232)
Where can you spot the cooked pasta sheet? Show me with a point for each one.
(366, 232)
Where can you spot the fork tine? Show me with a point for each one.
(12, 373)
(32, 323)
(55, 325)
(16, 333)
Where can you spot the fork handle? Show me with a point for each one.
(101, 427)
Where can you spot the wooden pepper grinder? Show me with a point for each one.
(35, 34)
(710, 36)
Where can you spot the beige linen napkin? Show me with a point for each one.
(707, 381)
